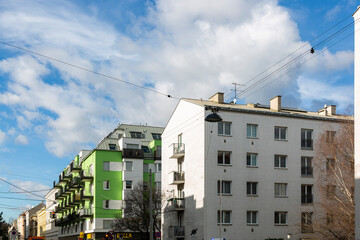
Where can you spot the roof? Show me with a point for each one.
(265, 109)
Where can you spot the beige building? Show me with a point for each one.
(41, 222)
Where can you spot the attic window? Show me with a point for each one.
(137, 135)
(156, 136)
(112, 147)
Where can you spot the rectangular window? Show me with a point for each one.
(106, 185)
(280, 133)
(137, 135)
(156, 136)
(106, 204)
(112, 147)
(330, 191)
(106, 166)
(280, 189)
(251, 188)
(306, 139)
(306, 222)
(280, 161)
(146, 167)
(280, 218)
(128, 166)
(224, 187)
(306, 166)
(145, 149)
(251, 130)
(224, 217)
(251, 159)
(252, 217)
(330, 164)
(158, 186)
(158, 167)
(128, 184)
(224, 158)
(132, 146)
(224, 128)
(306, 194)
(330, 136)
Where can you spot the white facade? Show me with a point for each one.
(194, 195)
(51, 232)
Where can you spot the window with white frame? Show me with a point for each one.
(280, 218)
(158, 186)
(280, 189)
(280, 161)
(224, 128)
(280, 133)
(251, 159)
(128, 184)
(106, 185)
(224, 158)
(306, 166)
(106, 166)
(156, 136)
(306, 222)
(137, 135)
(252, 188)
(252, 217)
(128, 165)
(306, 139)
(112, 147)
(224, 187)
(306, 193)
(224, 217)
(158, 167)
(251, 130)
(106, 204)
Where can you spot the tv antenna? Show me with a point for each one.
(235, 89)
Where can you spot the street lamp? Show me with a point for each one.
(213, 117)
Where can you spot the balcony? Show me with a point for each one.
(75, 183)
(133, 153)
(177, 204)
(56, 185)
(306, 171)
(64, 178)
(176, 178)
(86, 196)
(86, 212)
(178, 150)
(74, 168)
(75, 199)
(59, 222)
(306, 198)
(58, 208)
(67, 190)
(177, 231)
(157, 155)
(86, 176)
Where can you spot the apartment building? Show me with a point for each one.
(91, 190)
(51, 231)
(41, 222)
(249, 176)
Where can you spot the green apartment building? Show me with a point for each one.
(92, 188)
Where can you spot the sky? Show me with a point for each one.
(55, 100)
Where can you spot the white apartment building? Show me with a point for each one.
(249, 176)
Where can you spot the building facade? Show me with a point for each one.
(91, 190)
(250, 176)
(41, 222)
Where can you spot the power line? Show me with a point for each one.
(87, 70)
(21, 188)
(44, 190)
(27, 199)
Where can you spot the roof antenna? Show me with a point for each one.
(235, 85)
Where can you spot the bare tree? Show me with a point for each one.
(334, 158)
(136, 216)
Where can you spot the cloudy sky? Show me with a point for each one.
(49, 110)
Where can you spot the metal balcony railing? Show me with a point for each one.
(178, 150)
(177, 178)
(86, 212)
(133, 153)
(86, 175)
(177, 204)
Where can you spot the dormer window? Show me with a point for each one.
(137, 135)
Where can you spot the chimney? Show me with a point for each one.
(217, 97)
(275, 103)
(328, 110)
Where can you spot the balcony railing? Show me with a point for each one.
(178, 150)
(177, 178)
(74, 167)
(86, 212)
(306, 171)
(86, 196)
(177, 204)
(306, 198)
(133, 153)
(86, 175)
(177, 231)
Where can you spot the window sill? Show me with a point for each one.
(248, 166)
(304, 148)
(222, 224)
(252, 137)
(307, 204)
(252, 195)
(307, 176)
(224, 194)
(223, 135)
(106, 189)
(280, 196)
(281, 224)
(225, 165)
(280, 140)
(252, 224)
(281, 168)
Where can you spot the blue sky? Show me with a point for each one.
(50, 111)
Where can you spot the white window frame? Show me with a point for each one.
(252, 217)
(158, 167)
(252, 160)
(306, 162)
(106, 166)
(250, 190)
(222, 186)
(126, 185)
(112, 145)
(278, 160)
(106, 185)
(106, 204)
(280, 218)
(250, 132)
(306, 139)
(278, 133)
(224, 157)
(223, 216)
(222, 130)
(126, 166)
(280, 189)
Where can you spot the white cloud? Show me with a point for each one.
(2, 137)
(22, 140)
(29, 186)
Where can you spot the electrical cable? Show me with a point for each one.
(27, 199)
(21, 188)
(28, 191)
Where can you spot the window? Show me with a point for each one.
(306, 167)
(280, 218)
(107, 224)
(251, 188)
(280, 161)
(106, 204)
(280, 189)
(280, 133)
(330, 136)
(306, 194)
(180, 139)
(128, 166)
(224, 217)
(158, 167)
(146, 167)
(106, 166)
(224, 158)
(137, 135)
(106, 185)
(156, 136)
(112, 147)
(145, 149)
(224, 128)
(330, 164)
(224, 187)
(251, 217)
(251, 159)
(251, 130)
(128, 184)
(306, 139)
(330, 191)
(132, 146)
(306, 222)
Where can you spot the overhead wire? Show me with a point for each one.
(21, 188)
